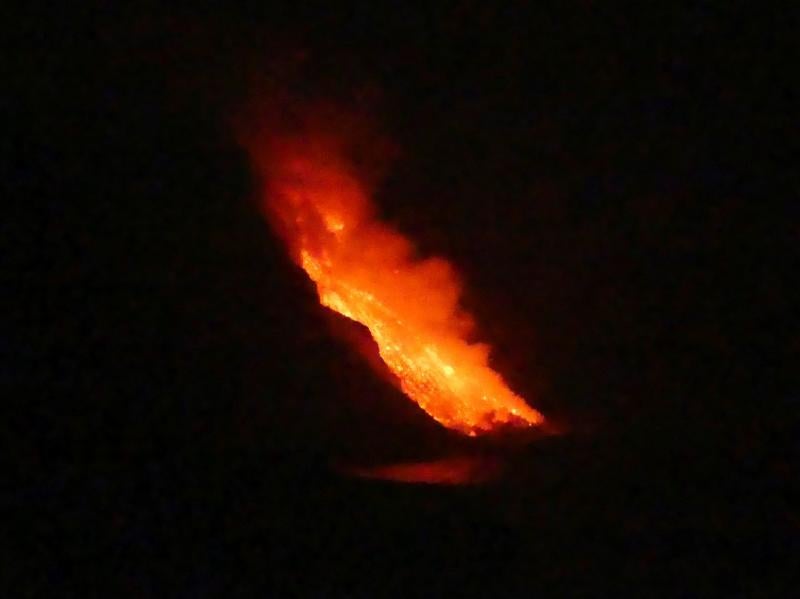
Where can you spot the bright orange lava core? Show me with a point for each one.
(366, 271)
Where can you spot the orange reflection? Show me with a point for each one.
(445, 471)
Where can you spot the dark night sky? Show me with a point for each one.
(615, 188)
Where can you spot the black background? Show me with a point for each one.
(615, 187)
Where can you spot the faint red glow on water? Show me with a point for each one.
(459, 470)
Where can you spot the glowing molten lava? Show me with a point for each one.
(366, 271)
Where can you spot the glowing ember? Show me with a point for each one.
(366, 271)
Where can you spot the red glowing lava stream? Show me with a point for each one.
(366, 271)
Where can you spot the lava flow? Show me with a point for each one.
(366, 271)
